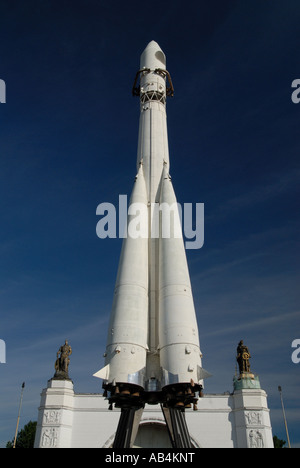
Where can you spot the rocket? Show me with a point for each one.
(153, 353)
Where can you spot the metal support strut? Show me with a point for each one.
(129, 423)
(128, 426)
(170, 89)
(177, 427)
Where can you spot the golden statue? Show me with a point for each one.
(243, 357)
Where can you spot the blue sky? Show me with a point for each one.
(68, 141)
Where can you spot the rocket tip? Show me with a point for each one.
(153, 56)
(153, 44)
(153, 47)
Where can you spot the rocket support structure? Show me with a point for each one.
(153, 353)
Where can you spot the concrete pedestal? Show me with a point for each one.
(71, 420)
(55, 421)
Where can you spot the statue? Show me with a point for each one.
(243, 357)
(62, 362)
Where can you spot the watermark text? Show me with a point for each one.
(296, 353)
(155, 220)
(2, 352)
(2, 92)
(296, 94)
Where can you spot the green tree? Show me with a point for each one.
(25, 437)
(278, 443)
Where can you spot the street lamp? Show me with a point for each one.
(20, 406)
(284, 417)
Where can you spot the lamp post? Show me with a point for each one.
(20, 406)
(284, 417)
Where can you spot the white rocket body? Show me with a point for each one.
(127, 341)
(153, 336)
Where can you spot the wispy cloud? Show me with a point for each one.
(253, 324)
(276, 186)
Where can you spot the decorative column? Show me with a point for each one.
(251, 413)
(55, 418)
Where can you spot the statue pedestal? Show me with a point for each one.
(246, 380)
(61, 375)
(251, 413)
(55, 421)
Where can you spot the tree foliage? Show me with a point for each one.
(25, 437)
(278, 443)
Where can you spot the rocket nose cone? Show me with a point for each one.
(153, 44)
(153, 57)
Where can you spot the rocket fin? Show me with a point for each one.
(203, 374)
(102, 373)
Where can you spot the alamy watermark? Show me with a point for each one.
(152, 221)
(2, 92)
(296, 354)
(296, 94)
(2, 352)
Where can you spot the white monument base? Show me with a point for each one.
(75, 420)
